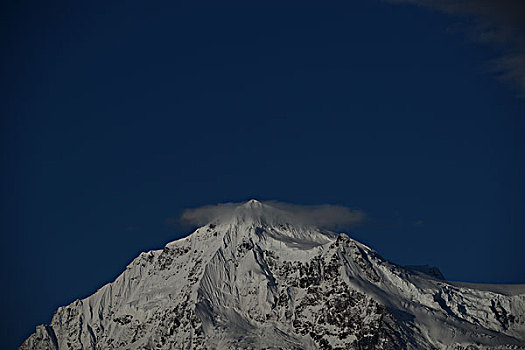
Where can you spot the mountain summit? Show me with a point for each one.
(260, 279)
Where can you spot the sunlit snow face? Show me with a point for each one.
(325, 216)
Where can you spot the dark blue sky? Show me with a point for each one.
(118, 115)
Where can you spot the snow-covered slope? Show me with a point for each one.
(259, 280)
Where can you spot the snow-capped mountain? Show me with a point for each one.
(259, 280)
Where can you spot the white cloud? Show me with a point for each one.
(208, 213)
(325, 215)
(499, 23)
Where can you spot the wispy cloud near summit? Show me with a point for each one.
(325, 215)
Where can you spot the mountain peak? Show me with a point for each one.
(255, 212)
(259, 276)
(252, 203)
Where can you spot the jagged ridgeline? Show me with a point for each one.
(259, 280)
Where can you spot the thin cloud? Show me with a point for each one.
(499, 23)
(326, 215)
(208, 213)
